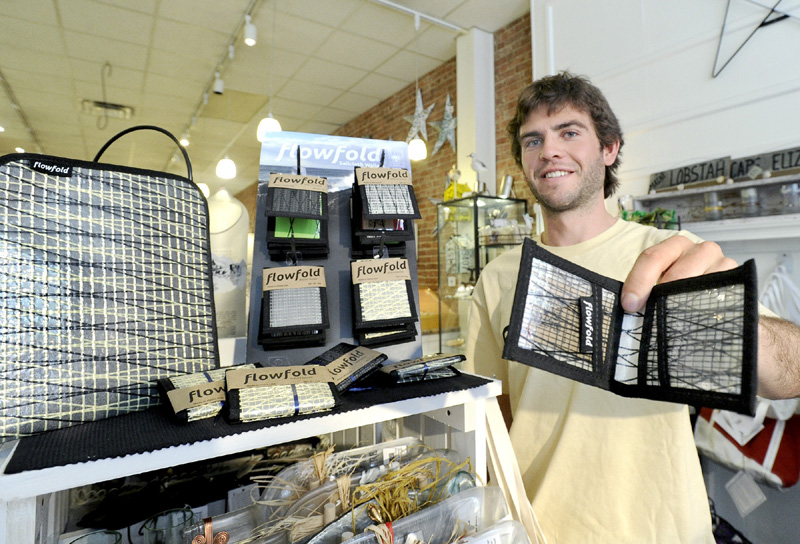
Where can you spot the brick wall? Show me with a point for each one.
(512, 72)
(386, 120)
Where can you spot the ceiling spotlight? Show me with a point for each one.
(226, 168)
(250, 32)
(267, 124)
(184, 141)
(2, 128)
(417, 150)
(219, 84)
(19, 150)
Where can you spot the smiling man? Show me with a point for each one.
(599, 467)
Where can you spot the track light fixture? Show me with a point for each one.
(267, 124)
(417, 150)
(250, 32)
(226, 168)
(219, 84)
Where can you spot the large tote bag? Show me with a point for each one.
(105, 287)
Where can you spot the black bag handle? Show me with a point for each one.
(157, 129)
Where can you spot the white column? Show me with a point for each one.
(475, 131)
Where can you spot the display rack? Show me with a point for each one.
(30, 501)
(471, 232)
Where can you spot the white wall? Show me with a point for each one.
(653, 59)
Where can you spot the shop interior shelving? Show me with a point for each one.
(32, 503)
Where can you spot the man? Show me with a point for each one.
(599, 467)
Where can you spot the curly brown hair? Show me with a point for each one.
(565, 89)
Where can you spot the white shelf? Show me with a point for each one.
(708, 187)
(747, 228)
(28, 484)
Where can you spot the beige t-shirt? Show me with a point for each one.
(598, 468)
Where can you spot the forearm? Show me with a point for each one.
(778, 358)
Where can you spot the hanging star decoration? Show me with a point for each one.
(446, 128)
(418, 119)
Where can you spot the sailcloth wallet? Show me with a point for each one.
(106, 286)
(695, 343)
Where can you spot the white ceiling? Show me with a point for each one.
(333, 59)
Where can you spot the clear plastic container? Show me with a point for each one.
(750, 204)
(790, 194)
(713, 206)
(504, 532)
(295, 481)
(472, 510)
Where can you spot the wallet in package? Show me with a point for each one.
(276, 392)
(195, 396)
(422, 366)
(346, 363)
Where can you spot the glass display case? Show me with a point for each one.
(471, 232)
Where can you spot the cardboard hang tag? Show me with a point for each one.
(276, 375)
(185, 398)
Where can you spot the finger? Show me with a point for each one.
(648, 268)
(702, 258)
(675, 258)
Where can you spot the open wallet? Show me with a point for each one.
(695, 343)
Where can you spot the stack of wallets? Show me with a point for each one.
(428, 367)
(195, 396)
(348, 364)
(297, 216)
(383, 209)
(294, 307)
(384, 311)
(277, 392)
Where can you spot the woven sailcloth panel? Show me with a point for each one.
(105, 287)
(384, 300)
(271, 401)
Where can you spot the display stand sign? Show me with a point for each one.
(333, 158)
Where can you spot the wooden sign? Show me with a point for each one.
(774, 161)
(693, 173)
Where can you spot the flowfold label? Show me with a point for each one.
(197, 395)
(342, 368)
(52, 169)
(588, 336)
(379, 270)
(292, 277)
(292, 181)
(382, 176)
(281, 375)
